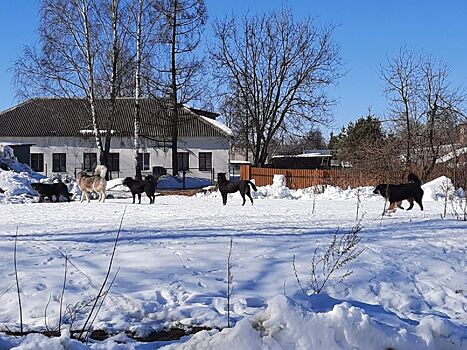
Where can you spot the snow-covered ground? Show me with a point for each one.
(408, 288)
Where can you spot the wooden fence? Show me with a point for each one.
(303, 178)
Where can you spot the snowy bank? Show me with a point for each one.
(433, 191)
(291, 323)
(287, 325)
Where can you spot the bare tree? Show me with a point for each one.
(79, 56)
(276, 70)
(139, 48)
(116, 61)
(177, 69)
(425, 107)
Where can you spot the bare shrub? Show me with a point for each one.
(326, 264)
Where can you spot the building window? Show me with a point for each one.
(205, 161)
(58, 162)
(89, 161)
(183, 163)
(143, 161)
(114, 161)
(37, 162)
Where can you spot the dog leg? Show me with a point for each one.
(392, 207)
(399, 205)
(224, 198)
(249, 196)
(419, 202)
(139, 198)
(103, 196)
(410, 199)
(243, 196)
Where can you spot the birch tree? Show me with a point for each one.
(79, 56)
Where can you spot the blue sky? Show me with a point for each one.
(369, 32)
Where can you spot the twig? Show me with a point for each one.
(229, 281)
(63, 293)
(296, 275)
(101, 303)
(45, 313)
(358, 203)
(99, 295)
(17, 286)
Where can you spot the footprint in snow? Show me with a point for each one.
(40, 287)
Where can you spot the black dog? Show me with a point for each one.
(51, 190)
(225, 187)
(411, 191)
(148, 185)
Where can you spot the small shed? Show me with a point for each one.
(308, 160)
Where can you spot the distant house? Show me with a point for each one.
(311, 159)
(59, 133)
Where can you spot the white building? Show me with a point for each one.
(60, 134)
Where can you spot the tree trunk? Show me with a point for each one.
(90, 89)
(174, 119)
(137, 143)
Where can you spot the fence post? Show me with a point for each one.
(184, 172)
(245, 171)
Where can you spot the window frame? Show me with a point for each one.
(181, 158)
(145, 164)
(203, 161)
(61, 163)
(114, 157)
(92, 165)
(39, 162)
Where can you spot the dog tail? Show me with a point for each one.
(414, 178)
(252, 185)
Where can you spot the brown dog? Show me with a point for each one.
(95, 183)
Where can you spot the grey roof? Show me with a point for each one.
(42, 117)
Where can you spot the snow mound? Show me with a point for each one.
(14, 165)
(438, 189)
(14, 184)
(286, 325)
